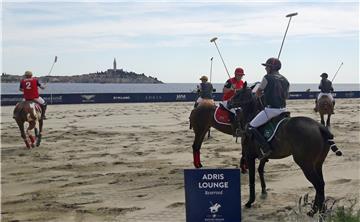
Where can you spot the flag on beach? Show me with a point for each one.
(55, 59)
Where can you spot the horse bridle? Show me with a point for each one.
(244, 102)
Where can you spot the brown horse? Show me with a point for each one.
(29, 111)
(325, 106)
(201, 119)
(304, 138)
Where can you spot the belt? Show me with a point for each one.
(273, 107)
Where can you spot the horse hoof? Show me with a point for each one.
(199, 165)
(263, 195)
(248, 205)
(338, 153)
(32, 145)
(311, 213)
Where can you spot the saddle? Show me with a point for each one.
(20, 107)
(222, 115)
(269, 129)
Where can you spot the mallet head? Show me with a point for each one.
(213, 39)
(292, 14)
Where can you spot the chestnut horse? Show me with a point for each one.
(29, 111)
(304, 138)
(325, 106)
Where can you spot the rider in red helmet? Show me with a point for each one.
(231, 86)
(275, 89)
(29, 86)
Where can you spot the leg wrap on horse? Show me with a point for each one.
(197, 162)
(334, 148)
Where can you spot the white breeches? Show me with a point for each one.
(265, 115)
(38, 100)
(325, 94)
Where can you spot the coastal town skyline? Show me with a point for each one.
(171, 40)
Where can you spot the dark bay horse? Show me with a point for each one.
(325, 107)
(29, 111)
(304, 138)
(201, 119)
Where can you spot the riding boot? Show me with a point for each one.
(43, 110)
(264, 145)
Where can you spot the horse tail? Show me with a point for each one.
(329, 137)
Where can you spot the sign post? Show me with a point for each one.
(212, 195)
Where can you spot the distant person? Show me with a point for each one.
(231, 86)
(325, 89)
(205, 90)
(275, 88)
(29, 86)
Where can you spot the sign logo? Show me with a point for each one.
(214, 209)
(88, 98)
(180, 97)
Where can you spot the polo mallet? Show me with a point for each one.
(211, 62)
(288, 16)
(214, 41)
(337, 71)
(55, 60)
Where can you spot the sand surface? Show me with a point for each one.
(124, 162)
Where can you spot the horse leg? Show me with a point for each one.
(321, 192)
(22, 131)
(28, 132)
(317, 181)
(328, 120)
(322, 119)
(261, 175)
(251, 164)
(199, 137)
(38, 136)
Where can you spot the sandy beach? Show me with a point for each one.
(124, 162)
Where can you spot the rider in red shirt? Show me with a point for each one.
(229, 90)
(29, 86)
(233, 84)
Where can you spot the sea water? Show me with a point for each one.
(54, 88)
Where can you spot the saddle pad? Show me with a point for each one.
(269, 129)
(222, 116)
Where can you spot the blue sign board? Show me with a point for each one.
(79, 98)
(212, 195)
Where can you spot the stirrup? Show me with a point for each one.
(264, 155)
(237, 132)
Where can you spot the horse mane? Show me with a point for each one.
(247, 100)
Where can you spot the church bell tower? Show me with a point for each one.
(114, 65)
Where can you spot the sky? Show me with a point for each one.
(170, 40)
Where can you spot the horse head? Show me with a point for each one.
(245, 100)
